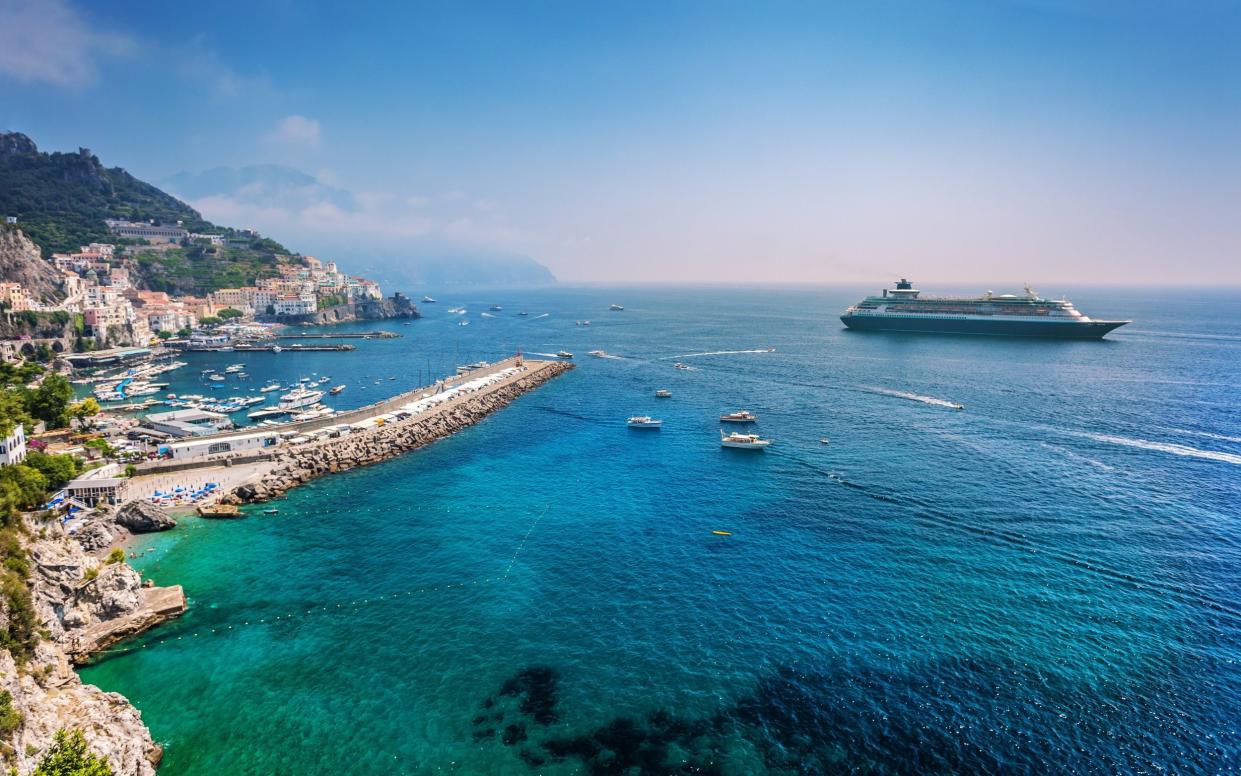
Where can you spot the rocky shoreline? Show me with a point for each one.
(84, 604)
(305, 463)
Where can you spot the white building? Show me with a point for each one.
(240, 443)
(149, 232)
(13, 446)
(296, 305)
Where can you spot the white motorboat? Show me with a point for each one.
(564, 354)
(644, 421)
(234, 368)
(741, 416)
(598, 353)
(616, 307)
(743, 441)
(269, 388)
(663, 393)
(217, 378)
(428, 300)
(336, 389)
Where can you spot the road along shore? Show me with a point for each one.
(301, 463)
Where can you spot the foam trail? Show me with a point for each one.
(488, 315)
(1208, 435)
(1077, 457)
(718, 353)
(918, 398)
(544, 315)
(536, 353)
(1168, 447)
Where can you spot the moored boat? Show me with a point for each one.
(644, 421)
(663, 393)
(743, 441)
(740, 416)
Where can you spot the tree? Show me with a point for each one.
(163, 334)
(230, 312)
(50, 401)
(57, 469)
(21, 487)
(83, 411)
(69, 756)
(185, 332)
(210, 320)
(13, 411)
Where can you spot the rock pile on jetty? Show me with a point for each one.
(305, 463)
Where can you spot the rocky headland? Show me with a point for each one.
(82, 603)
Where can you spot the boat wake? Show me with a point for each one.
(718, 353)
(488, 315)
(934, 402)
(545, 355)
(1079, 457)
(544, 315)
(1168, 447)
(1208, 435)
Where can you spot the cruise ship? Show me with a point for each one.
(1028, 315)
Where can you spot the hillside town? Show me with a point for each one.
(98, 283)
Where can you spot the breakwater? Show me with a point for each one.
(303, 463)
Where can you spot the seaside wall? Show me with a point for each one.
(297, 465)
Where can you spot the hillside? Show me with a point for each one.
(62, 199)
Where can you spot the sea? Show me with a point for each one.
(1046, 580)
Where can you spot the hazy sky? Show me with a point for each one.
(667, 141)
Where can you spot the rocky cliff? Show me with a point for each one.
(21, 262)
(396, 306)
(83, 605)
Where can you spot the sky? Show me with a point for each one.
(736, 142)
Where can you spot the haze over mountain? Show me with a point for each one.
(401, 241)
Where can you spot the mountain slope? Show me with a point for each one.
(62, 199)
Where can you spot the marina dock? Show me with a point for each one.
(343, 335)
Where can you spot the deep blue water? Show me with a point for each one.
(1045, 582)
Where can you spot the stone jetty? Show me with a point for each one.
(306, 462)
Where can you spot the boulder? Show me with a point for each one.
(97, 535)
(142, 517)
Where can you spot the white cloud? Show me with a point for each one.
(48, 41)
(296, 130)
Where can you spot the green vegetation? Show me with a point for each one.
(83, 411)
(116, 556)
(210, 321)
(62, 199)
(10, 718)
(197, 268)
(163, 334)
(336, 300)
(90, 573)
(69, 755)
(228, 313)
(57, 469)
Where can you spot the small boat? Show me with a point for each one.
(743, 441)
(741, 416)
(271, 511)
(644, 421)
(598, 353)
(564, 354)
(463, 323)
(663, 393)
(823, 440)
(523, 313)
(495, 308)
(336, 389)
(428, 300)
(585, 323)
(269, 388)
(234, 368)
(276, 348)
(242, 376)
(616, 307)
(215, 377)
(722, 533)
(679, 365)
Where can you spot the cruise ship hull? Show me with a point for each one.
(997, 326)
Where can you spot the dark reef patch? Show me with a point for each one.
(537, 688)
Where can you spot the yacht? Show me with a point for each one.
(598, 353)
(743, 441)
(336, 389)
(299, 398)
(616, 307)
(564, 354)
(644, 421)
(234, 368)
(741, 416)
(215, 377)
(428, 300)
(663, 393)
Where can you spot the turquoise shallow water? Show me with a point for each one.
(1044, 582)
